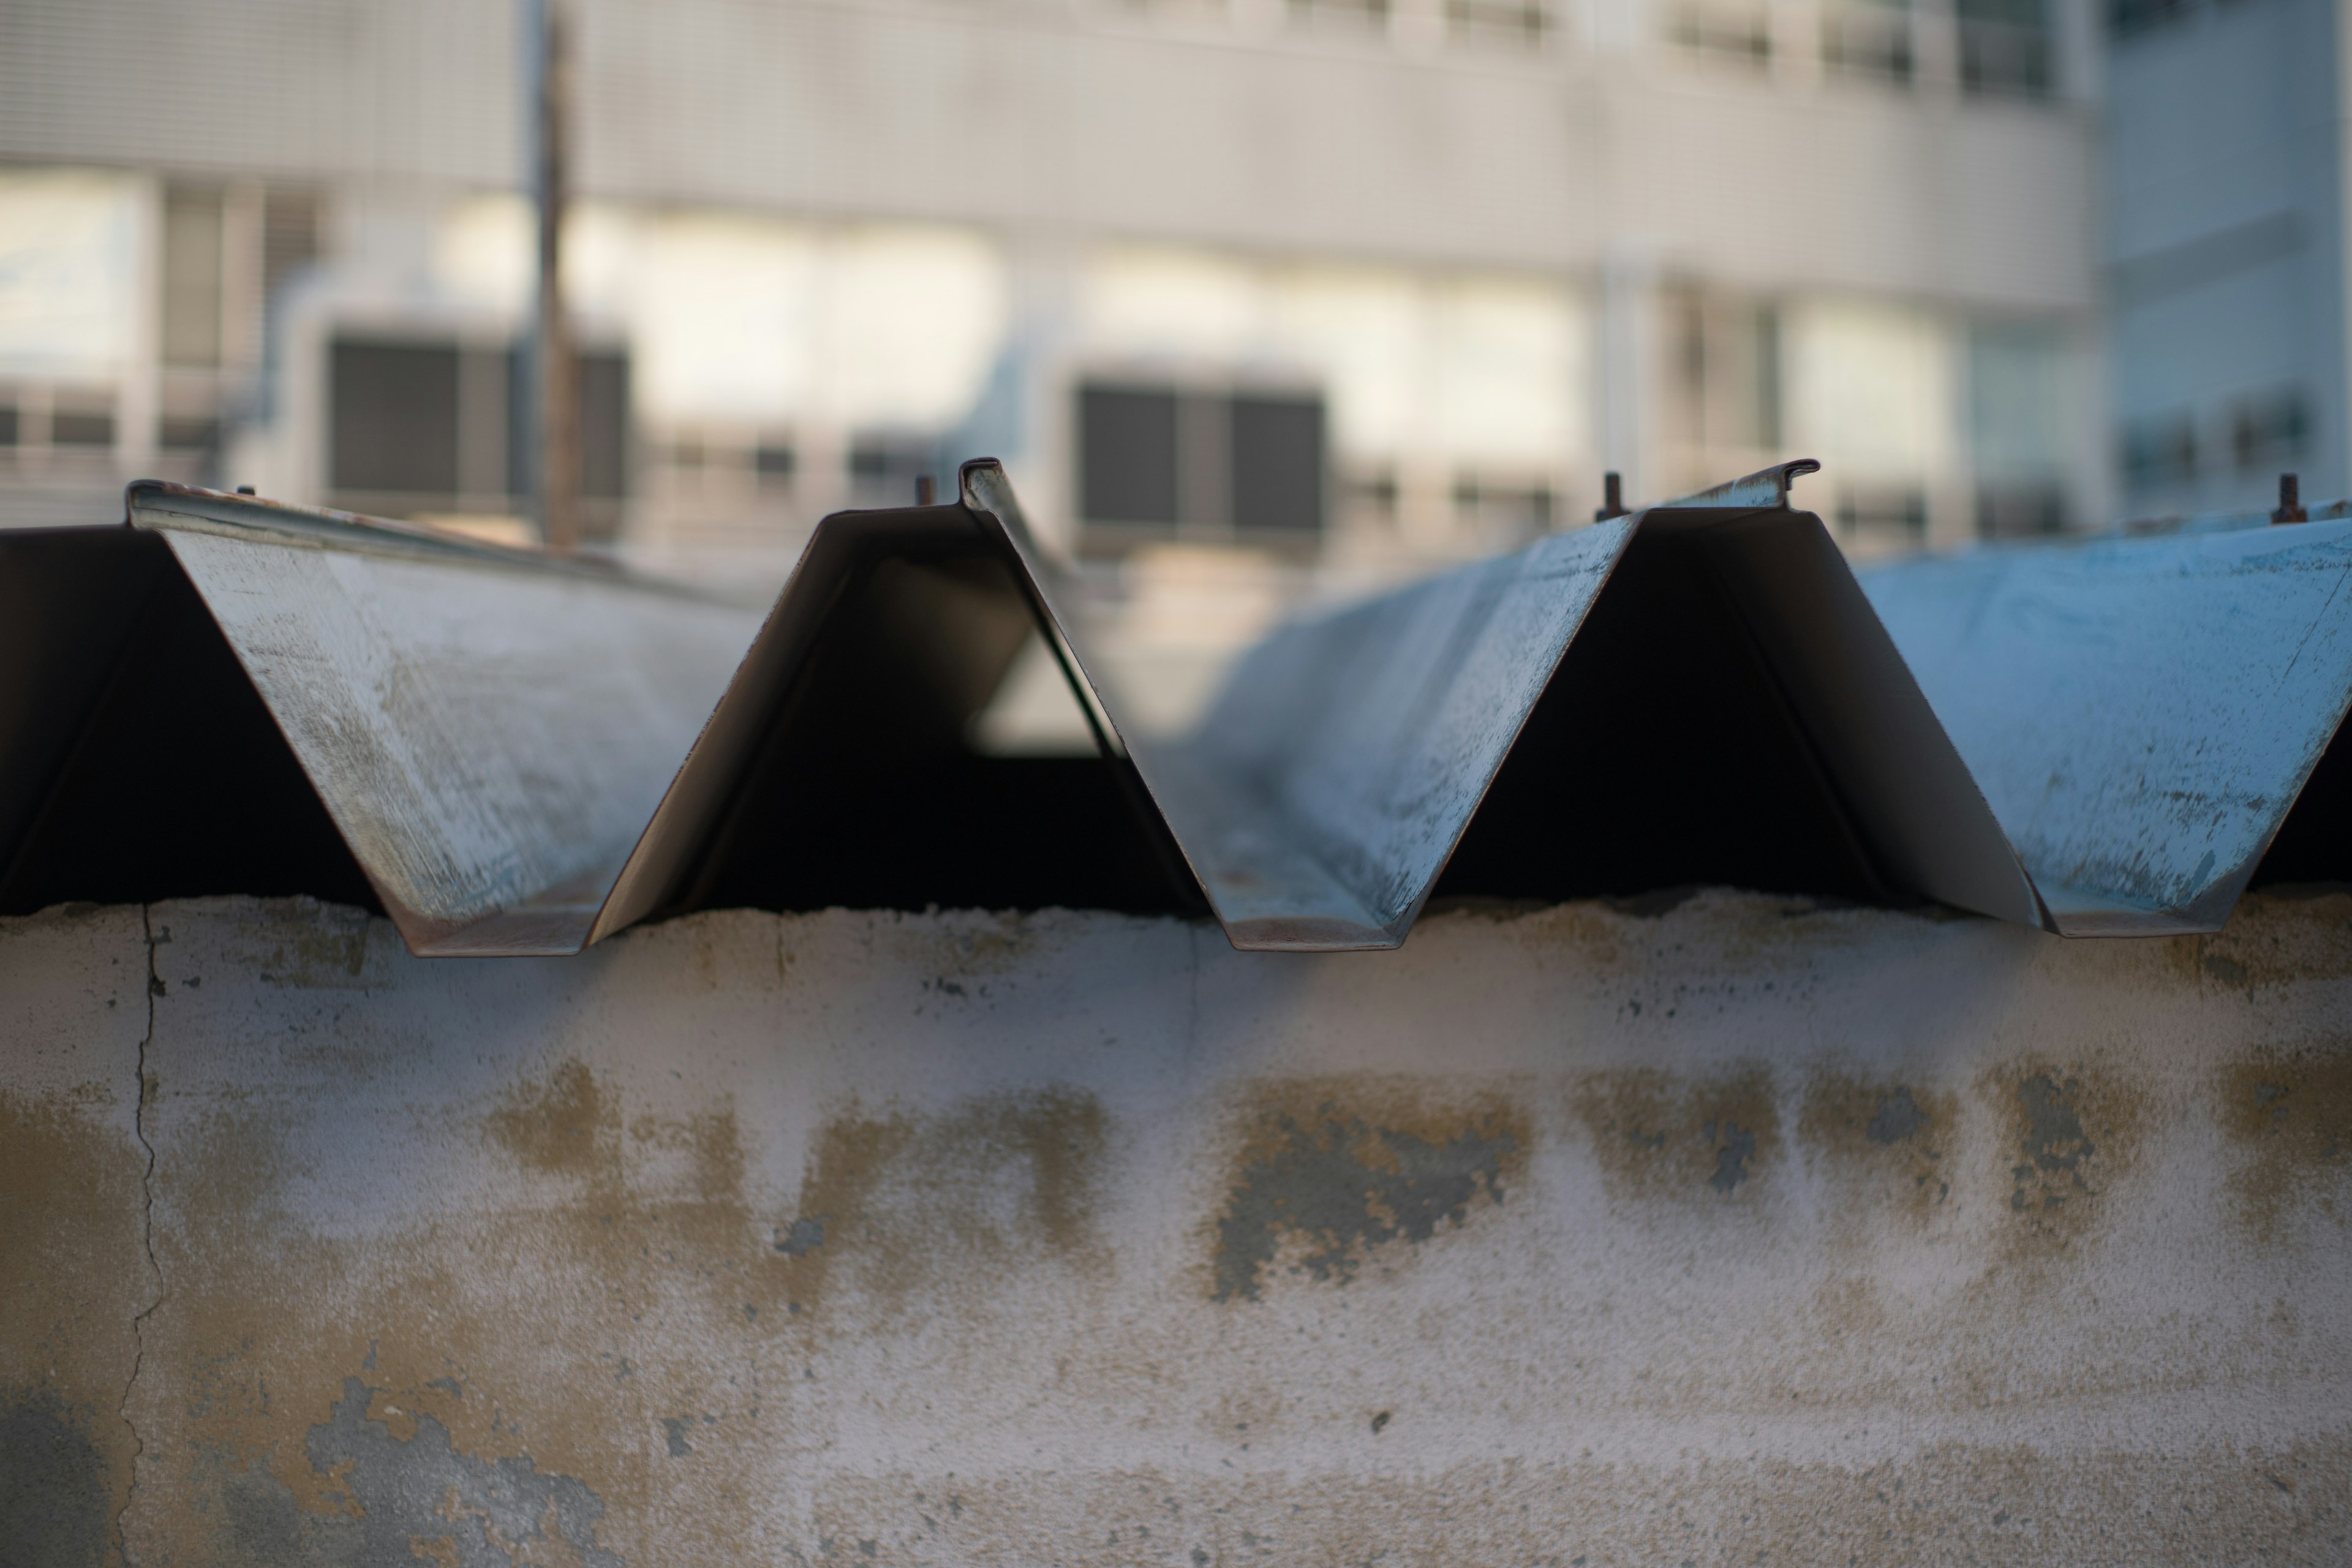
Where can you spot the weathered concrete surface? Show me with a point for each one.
(1738, 1232)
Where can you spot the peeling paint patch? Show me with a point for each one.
(1340, 1184)
(406, 1499)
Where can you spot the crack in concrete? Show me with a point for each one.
(146, 1235)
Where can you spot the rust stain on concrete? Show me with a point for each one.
(1329, 1172)
(401, 1490)
(565, 1126)
(2072, 1137)
(1658, 1135)
(2288, 1115)
(898, 1204)
(1887, 1140)
(525, 1347)
(73, 1274)
(2280, 936)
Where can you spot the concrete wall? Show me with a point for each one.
(1732, 1231)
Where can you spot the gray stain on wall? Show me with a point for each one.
(53, 1508)
(1344, 1186)
(419, 1492)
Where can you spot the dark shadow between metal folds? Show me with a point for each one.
(511, 755)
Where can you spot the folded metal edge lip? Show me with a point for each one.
(242, 516)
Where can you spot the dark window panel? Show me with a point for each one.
(2020, 508)
(2269, 428)
(81, 429)
(1127, 456)
(773, 460)
(187, 435)
(8, 436)
(2160, 450)
(192, 277)
(883, 467)
(394, 418)
(603, 426)
(290, 237)
(1278, 464)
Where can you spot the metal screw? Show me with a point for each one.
(1613, 497)
(2290, 505)
(925, 491)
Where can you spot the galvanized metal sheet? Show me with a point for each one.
(524, 755)
(1319, 799)
(2141, 712)
(489, 731)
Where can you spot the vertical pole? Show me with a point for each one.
(553, 396)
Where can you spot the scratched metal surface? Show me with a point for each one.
(489, 732)
(1363, 742)
(2140, 712)
(524, 755)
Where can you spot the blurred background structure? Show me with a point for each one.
(1255, 298)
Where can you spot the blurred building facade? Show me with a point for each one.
(2228, 169)
(1369, 284)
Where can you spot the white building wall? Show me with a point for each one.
(1054, 130)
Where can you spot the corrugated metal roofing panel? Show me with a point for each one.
(1322, 796)
(2141, 712)
(516, 755)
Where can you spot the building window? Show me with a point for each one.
(290, 237)
(193, 239)
(1278, 465)
(1882, 520)
(2161, 450)
(1740, 34)
(1727, 390)
(394, 418)
(1502, 514)
(90, 428)
(1127, 456)
(2268, 428)
(774, 461)
(178, 433)
(1160, 462)
(884, 466)
(1522, 22)
(425, 424)
(1370, 14)
(2130, 18)
(2004, 49)
(2020, 508)
(1867, 39)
